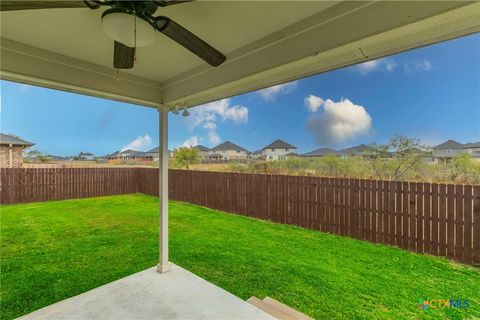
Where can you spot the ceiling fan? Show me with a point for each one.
(131, 24)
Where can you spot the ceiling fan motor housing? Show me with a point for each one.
(128, 27)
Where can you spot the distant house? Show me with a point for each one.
(356, 151)
(112, 156)
(155, 155)
(228, 151)
(204, 151)
(473, 149)
(86, 156)
(132, 156)
(125, 154)
(451, 148)
(11, 151)
(320, 153)
(359, 150)
(138, 156)
(277, 150)
(255, 155)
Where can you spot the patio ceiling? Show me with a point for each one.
(266, 43)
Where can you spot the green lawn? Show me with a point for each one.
(55, 250)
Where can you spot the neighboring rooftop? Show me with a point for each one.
(227, 145)
(449, 144)
(128, 151)
(156, 149)
(354, 150)
(113, 154)
(138, 154)
(319, 152)
(201, 148)
(472, 145)
(7, 139)
(279, 144)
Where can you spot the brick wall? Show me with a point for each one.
(17, 156)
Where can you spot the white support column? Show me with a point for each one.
(163, 265)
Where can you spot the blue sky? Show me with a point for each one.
(431, 93)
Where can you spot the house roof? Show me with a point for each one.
(128, 151)
(449, 144)
(138, 154)
(7, 139)
(86, 154)
(343, 152)
(279, 144)
(354, 150)
(201, 148)
(319, 152)
(227, 145)
(113, 154)
(472, 145)
(156, 149)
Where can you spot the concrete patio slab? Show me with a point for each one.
(177, 294)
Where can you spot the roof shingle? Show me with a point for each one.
(6, 139)
(320, 152)
(201, 148)
(227, 145)
(279, 144)
(449, 144)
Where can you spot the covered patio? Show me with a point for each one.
(64, 45)
(177, 294)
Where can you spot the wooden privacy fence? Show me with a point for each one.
(33, 185)
(438, 219)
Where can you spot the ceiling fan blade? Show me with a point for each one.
(123, 56)
(166, 3)
(30, 5)
(190, 41)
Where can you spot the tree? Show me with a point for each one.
(331, 166)
(37, 155)
(463, 168)
(183, 157)
(398, 158)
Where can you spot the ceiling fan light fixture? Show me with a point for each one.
(123, 26)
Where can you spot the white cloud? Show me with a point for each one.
(191, 142)
(423, 65)
(23, 87)
(207, 114)
(214, 138)
(383, 64)
(270, 94)
(210, 125)
(313, 103)
(141, 143)
(338, 122)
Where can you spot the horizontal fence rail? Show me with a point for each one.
(437, 219)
